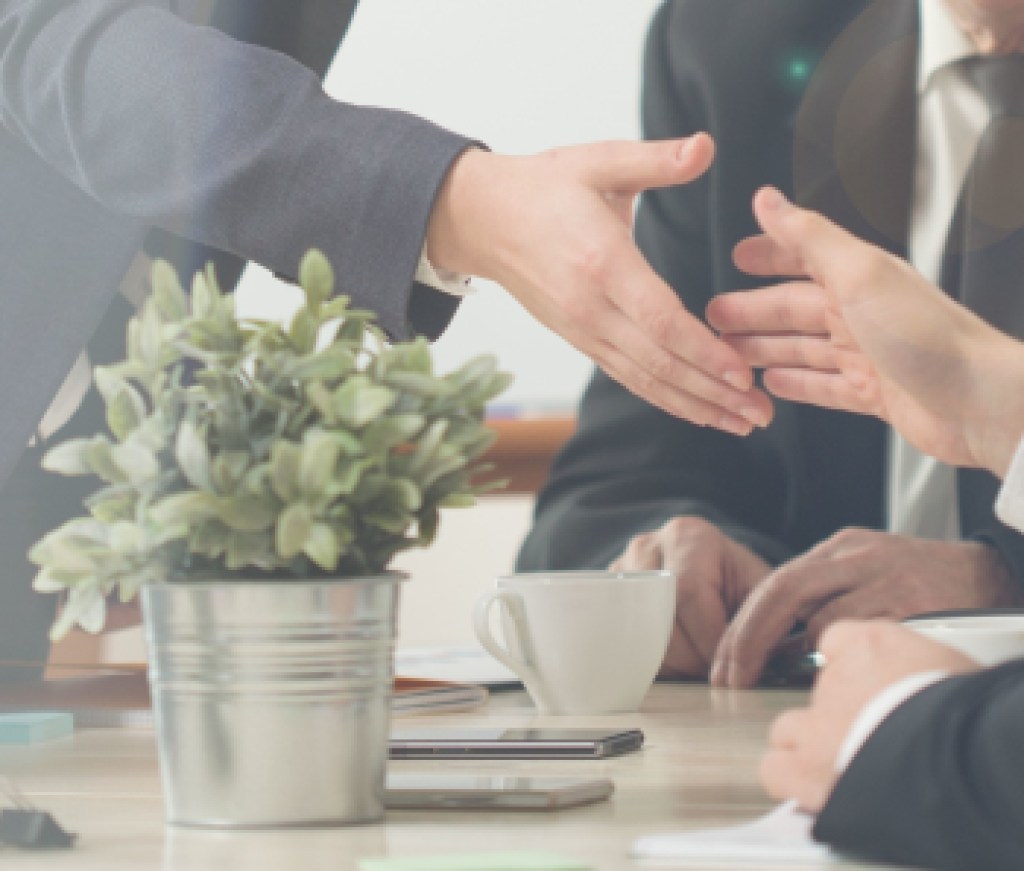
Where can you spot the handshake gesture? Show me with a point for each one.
(859, 330)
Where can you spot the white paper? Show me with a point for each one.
(781, 837)
(458, 664)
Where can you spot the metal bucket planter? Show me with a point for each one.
(272, 700)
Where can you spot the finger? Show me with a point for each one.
(701, 613)
(795, 307)
(666, 397)
(786, 352)
(682, 659)
(778, 772)
(830, 255)
(862, 604)
(835, 390)
(840, 638)
(761, 255)
(789, 594)
(657, 312)
(790, 775)
(790, 729)
(642, 554)
(752, 405)
(629, 167)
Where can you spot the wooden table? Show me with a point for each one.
(698, 769)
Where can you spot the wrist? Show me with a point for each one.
(460, 212)
(995, 428)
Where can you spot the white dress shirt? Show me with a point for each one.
(952, 116)
(922, 497)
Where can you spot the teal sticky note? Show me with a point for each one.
(32, 728)
(523, 861)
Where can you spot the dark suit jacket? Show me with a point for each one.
(118, 116)
(938, 785)
(841, 139)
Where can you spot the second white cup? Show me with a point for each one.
(586, 642)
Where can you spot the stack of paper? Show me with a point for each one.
(781, 838)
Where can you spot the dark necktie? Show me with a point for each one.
(985, 247)
(983, 264)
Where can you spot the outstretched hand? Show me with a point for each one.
(867, 333)
(555, 229)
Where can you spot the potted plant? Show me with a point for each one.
(258, 479)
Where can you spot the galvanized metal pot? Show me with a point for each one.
(272, 699)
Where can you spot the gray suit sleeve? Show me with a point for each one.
(226, 143)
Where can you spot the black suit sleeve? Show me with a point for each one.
(940, 784)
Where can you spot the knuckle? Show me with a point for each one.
(841, 634)
(851, 535)
(689, 528)
(659, 325)
(639, 545)
(645, 384)
(579, 308)
(662, 366)
(592, 260)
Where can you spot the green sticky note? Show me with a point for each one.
(526, 861)
(31, 728)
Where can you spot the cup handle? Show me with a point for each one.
(482, 625)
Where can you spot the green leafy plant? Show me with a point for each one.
(262, 450)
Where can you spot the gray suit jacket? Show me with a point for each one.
(117, 116)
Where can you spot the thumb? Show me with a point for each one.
(630, 167)
(827, 252)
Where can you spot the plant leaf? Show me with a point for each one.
(167, 291)
(322, 547)
(293, 528)
(192, 456)
(316, 277)
(69, 458)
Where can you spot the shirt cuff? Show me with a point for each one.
(875, 712)
(444, 280)
(1010, 502)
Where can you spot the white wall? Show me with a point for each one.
(522, 76)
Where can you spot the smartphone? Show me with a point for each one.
(513, 743)
(469, 792)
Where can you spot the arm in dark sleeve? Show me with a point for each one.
(630, 467)
(225, 143)
(940, 784)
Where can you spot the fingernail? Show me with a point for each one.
(755, 416)
(734, 425)
(735, 379)
(686, 149)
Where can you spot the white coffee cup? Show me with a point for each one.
(586, 642)
(987, 638)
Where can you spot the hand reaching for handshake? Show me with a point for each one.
(859, 330)
(555, 230)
